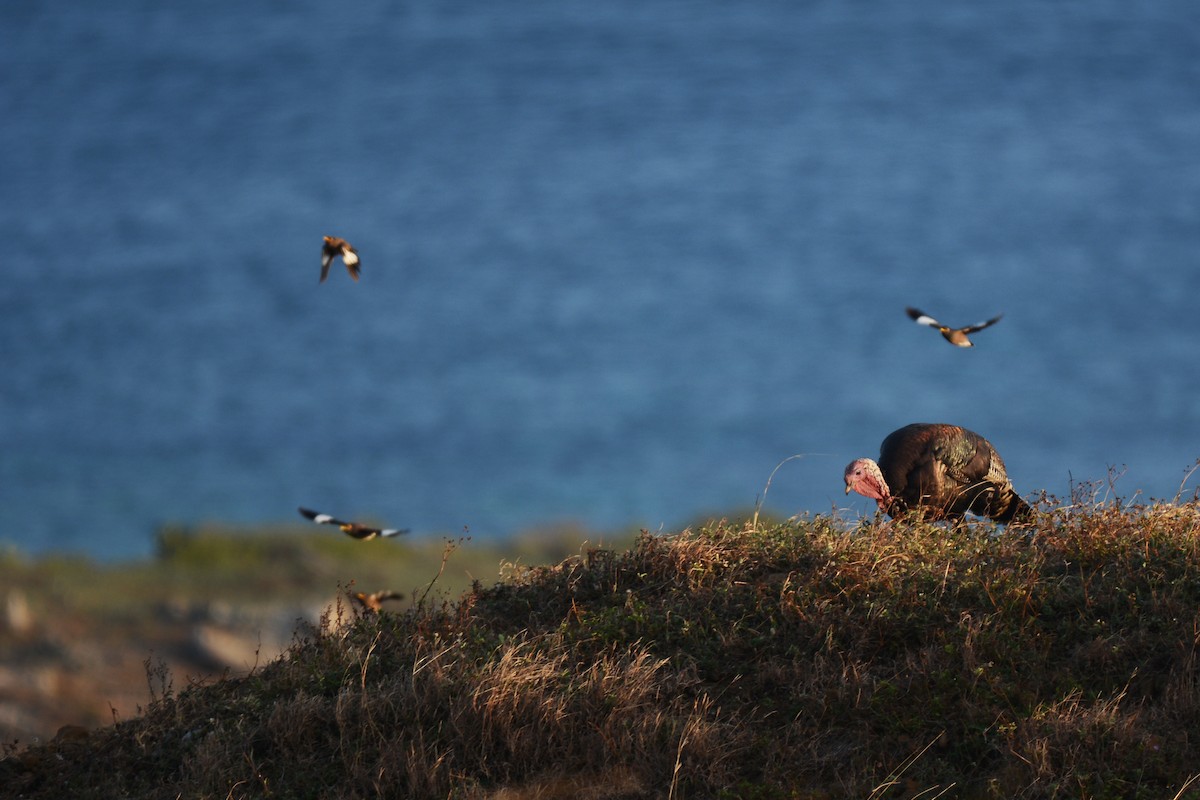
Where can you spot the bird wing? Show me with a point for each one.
(921, 318)
(389, 532)
(326, 260)
(931, 465)
(350, 259)
(978, 326)
(966, 455)
(978, 474)
(319, 518)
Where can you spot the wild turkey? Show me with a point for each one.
(943, 470)
(333, 247)
(955, 336)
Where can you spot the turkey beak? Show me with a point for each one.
(847, 488)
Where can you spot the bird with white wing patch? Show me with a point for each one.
(334, 247)
(358, 531)
(955, 336)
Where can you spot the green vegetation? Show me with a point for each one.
(809, 659)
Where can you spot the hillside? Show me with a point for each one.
(79, 638)
(810, 659)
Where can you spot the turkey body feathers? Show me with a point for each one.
(947, 471)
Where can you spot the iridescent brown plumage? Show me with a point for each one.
(942, 471)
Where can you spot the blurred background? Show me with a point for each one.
(619, 259)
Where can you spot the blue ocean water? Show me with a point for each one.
(619, 259)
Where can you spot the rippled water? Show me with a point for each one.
(619, 259)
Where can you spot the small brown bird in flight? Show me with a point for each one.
(374, 601)
(364, 532)
(955, 336)
(335, 247)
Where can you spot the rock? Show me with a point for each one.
(17, 618)
(238, 650)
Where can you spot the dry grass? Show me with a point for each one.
(813, 659)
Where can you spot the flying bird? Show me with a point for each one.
(943, 471)
(955, 336)
(334, 247)
(374, 601)
(364, 532)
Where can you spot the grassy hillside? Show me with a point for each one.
(214, 600)
(804, 660)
